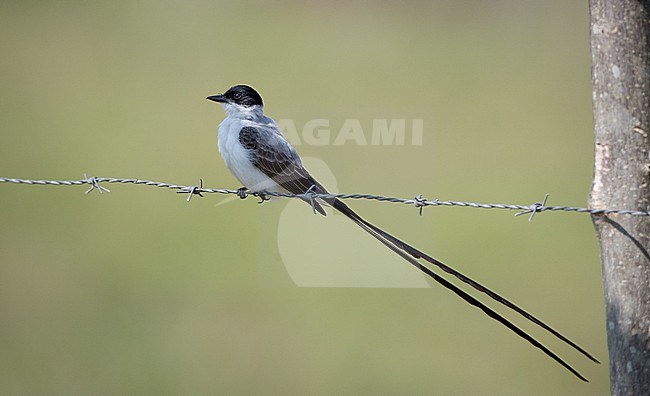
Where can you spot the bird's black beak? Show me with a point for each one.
(217, 98)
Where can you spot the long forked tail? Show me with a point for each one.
(411, 254)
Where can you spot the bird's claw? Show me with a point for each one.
(242, 192)
(263, 198)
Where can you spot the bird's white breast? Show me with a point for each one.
(237, 158)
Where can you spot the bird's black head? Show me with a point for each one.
(242, 95)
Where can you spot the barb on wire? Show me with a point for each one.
(192, 190)
(418, 201)
(94, 185)
(309, 196)
(534, 208)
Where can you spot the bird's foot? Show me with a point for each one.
(263, 198)
(242, 192)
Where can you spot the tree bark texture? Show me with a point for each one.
(620, 50)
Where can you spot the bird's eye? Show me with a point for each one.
(237, 95)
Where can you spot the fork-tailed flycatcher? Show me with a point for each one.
(253, 148)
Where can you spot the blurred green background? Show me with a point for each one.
(139, 292)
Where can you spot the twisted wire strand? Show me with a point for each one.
(417, 201)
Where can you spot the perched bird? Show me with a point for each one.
(258, 155)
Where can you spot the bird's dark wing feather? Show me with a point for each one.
(272, 155)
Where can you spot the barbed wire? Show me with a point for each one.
(417, 201)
